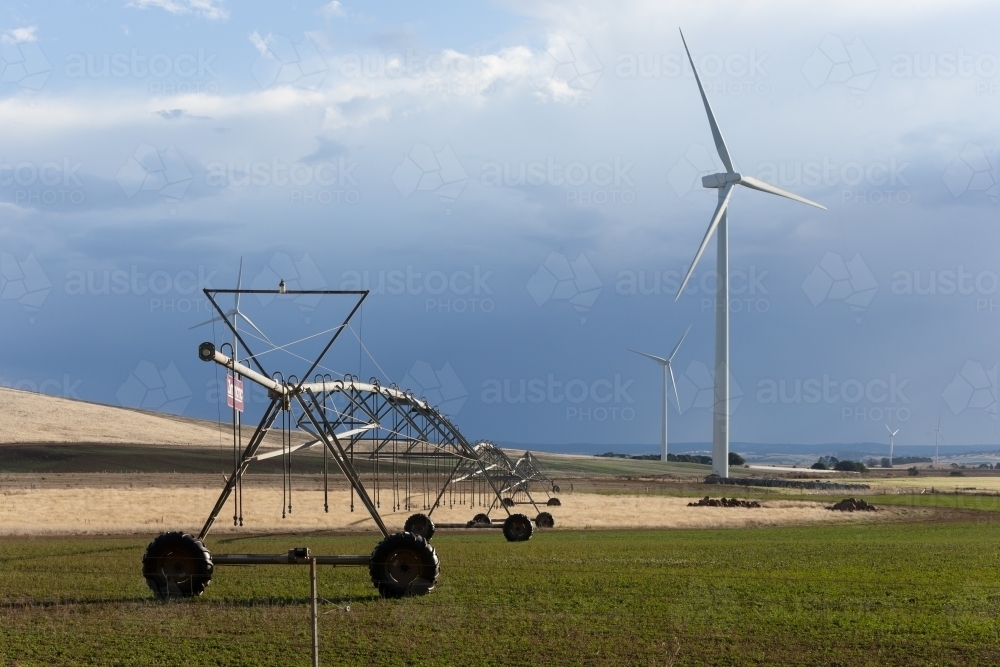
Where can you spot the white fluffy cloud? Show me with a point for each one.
(209, 9)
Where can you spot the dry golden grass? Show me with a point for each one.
(968, 481)
(110, 509)
(32, 417)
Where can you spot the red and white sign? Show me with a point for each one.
(234, 393)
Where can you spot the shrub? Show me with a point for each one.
(735, 459)
(850, 466)
(957, 473)
(820, 465)
(912, 472)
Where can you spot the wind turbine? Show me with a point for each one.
(667, 370)
(892, 438)
(725, 183)
(937, 436)
(236, 314)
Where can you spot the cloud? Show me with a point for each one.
(19, 35)
(260, 43)
(177, 114)
(209, 9)
(333, 10)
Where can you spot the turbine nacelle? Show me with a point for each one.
(721, 180)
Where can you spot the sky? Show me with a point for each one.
(518, 184)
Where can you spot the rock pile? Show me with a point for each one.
(853, 505)
(724, 502)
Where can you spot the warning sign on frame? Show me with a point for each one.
(234, 393)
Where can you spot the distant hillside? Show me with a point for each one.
(29, 417)
(756, 450)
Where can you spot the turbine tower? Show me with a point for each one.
(667, 370)
(892, 439)
(937, 437)
(725, 183)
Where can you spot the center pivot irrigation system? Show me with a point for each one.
(509, 481)
(392, 447)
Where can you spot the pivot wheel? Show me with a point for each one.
(482, 520)
(177, 565)
(403, 565)
(517, 528)
(544, 520)
(553, 502)
(508, 502)
(420, 524)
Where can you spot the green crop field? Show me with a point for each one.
(892, 593)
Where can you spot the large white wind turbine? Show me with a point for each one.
(892, 440)
(235, 315)
(725, 183)
(667, 370)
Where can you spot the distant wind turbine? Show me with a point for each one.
(725, 183)
(892, 437)
(937, 436)
(235, 315)
(667, 370)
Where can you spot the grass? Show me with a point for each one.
(845, 594)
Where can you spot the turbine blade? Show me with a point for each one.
(888, 429)
(678, 346)
(755, 184)
(719, 210)
(214, 319)
(720, 144)
(255, 327)
(677, 397)
(201, 324)
(653, 357)
(239, 283)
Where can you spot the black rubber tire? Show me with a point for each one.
(420, 524)
(517, 528)
(177, 565)
(404, 565)
(554, 502)
(482, 520)
(544, 520)
(555, 488)
(508, 502)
